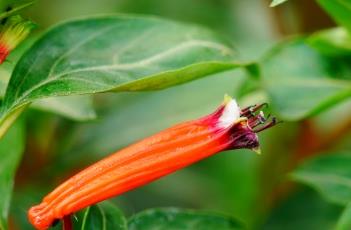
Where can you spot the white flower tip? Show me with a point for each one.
(231, 112)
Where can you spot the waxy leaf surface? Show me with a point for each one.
(178, 219)
(102, 216)
(302, 82)
(73, 107)
(115, 53)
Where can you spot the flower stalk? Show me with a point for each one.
(227, 128)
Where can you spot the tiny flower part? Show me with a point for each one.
(227, 128)
(12, 32)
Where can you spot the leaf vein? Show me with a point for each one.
(138, 64)
(78, 45)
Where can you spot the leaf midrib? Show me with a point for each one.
(61, 57)
(116, 66)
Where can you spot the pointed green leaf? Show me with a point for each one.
(115, 53)
(78, 108)
(102, 216)
(179, 219)
(339, 10)
(302, 82)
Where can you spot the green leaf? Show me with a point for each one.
(118, 53)
(102, 216)
(78, 107)
(180, 219)
(335, 41)
(339, 10)
(11, 149)
(302, 82)
(277, 2)
(344, 222)
(328, 174)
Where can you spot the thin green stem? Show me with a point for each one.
(14, 10)
(8, 119)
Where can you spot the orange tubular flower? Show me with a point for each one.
(156, 156)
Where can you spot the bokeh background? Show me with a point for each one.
(253, 188)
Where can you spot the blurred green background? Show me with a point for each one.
(253, 188)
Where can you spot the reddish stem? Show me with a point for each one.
(67, 223)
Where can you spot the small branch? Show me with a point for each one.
(16, 9)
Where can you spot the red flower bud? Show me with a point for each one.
(14, 31)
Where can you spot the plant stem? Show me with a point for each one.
(7, 120)
(67, 223)
(14, 10)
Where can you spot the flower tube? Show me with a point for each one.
(227, 128)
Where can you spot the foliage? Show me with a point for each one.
(101, 216)
(69, 68)
(329, 174)
(175, 219)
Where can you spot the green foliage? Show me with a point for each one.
(102, 216)
(292, 67)
(74, 107)
(335, 41)
(11, 149)
(344, 223)
(300, 77)
(340, 10)
(178, 219)
(328, 174)
(105, 215)
(119, 49)
(303, 210)
(118, 53)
